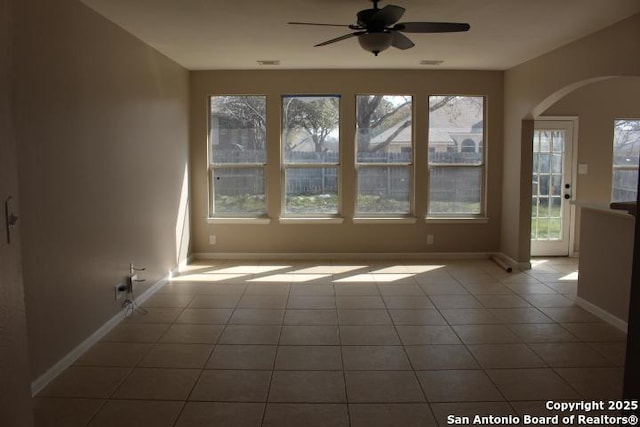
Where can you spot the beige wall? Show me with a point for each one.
(530, 89)
(597, 106)
(15, 396)
(345, 237)
(102, 127)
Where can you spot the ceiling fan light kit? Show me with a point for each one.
(378, 28)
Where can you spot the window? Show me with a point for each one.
(626, 153)
(237, 156)
(311, 154)
(384, 146)
(456, 156)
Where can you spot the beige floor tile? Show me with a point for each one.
(168, 300)
(310, 317)
(614, 352)
(224, 288)
(306, 414)
(440, 356)
(268, 289)
(215, 301)
(177, 356)
(158, 384)
(520, 315)
(242, 357)
(359, 302)
(137, 413)
(569, 314)
(595, 332)
(368, 335)
(569, 355)
(458, 386)
(136, 332)
(364, 317)
(88, 382)
(308, 358)
(64, 412)
(530, 288)
(390, 415)
(407, 302)
(232, 386)
(506, 356)
(308, 302)
(470, 316)
(309, 335)
(373, 358)
(114, 354)
(443, 411)
(201, 414)
(595, 383)
(531, 384)
(219, 316)
(401, 289)
(542, 332)
(324, 289)
(491, 288)
(263, 301)
(307, 386)
(447, 287)
(250, 334)
(455, 301)
(257, 316)
(383, 386)
(355, 289)
(502, 301)
(417, 317)
(154, 315)
(549, 300)
(427, 334)
(485, 334)
(192, 334)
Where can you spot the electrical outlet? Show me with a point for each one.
(120, 290)
(429, 239)
(212, 239)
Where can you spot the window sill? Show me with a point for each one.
(457, 220)
(386, 220)
(238, 220)
(311, 220)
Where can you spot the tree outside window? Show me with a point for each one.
(237, 155)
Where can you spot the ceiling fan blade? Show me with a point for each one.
(390, 14)
(313, 23)
(401, 41)
(431, 27)
(337, 39)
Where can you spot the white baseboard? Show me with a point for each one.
(515, 265)
(341, 255)
(602, 314)
(41, 382)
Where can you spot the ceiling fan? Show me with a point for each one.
(378, 28)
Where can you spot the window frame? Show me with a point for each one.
(481, 216)
(363, 217)
(614, 167)
(302, 217)
(212, 167)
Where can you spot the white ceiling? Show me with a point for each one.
(235, 34)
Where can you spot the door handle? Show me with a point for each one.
(10, 218)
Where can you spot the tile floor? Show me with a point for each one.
(367, 343)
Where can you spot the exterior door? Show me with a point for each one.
(552, 188)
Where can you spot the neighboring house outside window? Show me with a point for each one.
(237, 156)
(456, 156)
(626, 155)
(311, 155)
